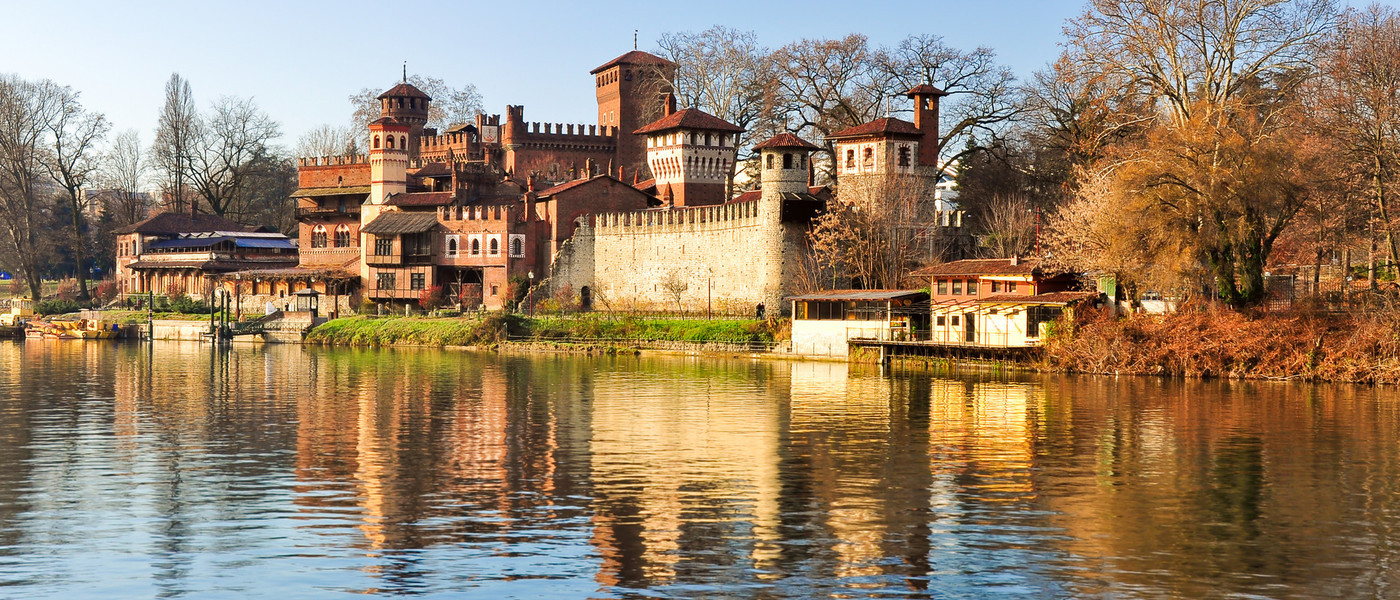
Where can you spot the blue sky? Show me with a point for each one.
(300, 60)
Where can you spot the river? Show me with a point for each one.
(176, 470)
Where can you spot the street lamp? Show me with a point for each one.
(530, 293)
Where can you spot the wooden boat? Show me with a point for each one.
(82, 329)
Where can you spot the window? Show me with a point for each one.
(383, 246)
(318, 237)
(476, 246)
(452, 245)
(972, 287)
(403, 142)
(770, 161)
(707, 139)
(1036, 315)
(996, 287)
(1011, 287)
(787, 160)
(940, 320)
(376, 142)
(628, 75)
(385, 281)
(390, 142)
(342, 236)
(903, 156)
(416, 281)
(867, 157)
(850, 159)
(957, 286)
(517, 245)
(955, 320)
(494, 289)
(495, 246)
(943, 286)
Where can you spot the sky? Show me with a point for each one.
(301, 60)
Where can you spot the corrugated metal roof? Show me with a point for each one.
(396, 223)
(197, 242)
(856, 295)
(283, 243)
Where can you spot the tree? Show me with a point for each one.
(721, 71)
(329, 140)
(26, 111)
(123, 174)
(176, 140)
(73, 162)
(1008, 226)
(230, 144)
(450, 105)
(868, 236)
(675, 286)
(1220, 169)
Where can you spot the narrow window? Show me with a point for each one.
(868, 157)
(903, 156)
(1011, 287)
(517, 247)
(787, 160)
(770, 161)
(957, 286)
(850, 159)
(495, 247)
(943, 287)
(452, 246)
(476, 247)
(376, 142)
(390, 142)
(996, 287)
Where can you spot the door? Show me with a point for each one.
(970, 326)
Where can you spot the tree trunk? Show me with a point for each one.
(1385, 217)
(78, 253)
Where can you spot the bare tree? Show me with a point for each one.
(329, 140)
(123, 174)
(450, 105)
(26, 111)
(1008, 227)
(721, 71)
(675, 286)
(234, 137)
(176, 140)
(73, 134)
(868, 237)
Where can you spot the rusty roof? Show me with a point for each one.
(690, 118)
(888, 126)
(419, 199)
(635, 57)
(1046, 298)
(786, 140)
(857, 295)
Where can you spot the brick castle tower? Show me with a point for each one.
(629, 88)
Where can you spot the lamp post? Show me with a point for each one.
(530, 293)
(238, 294)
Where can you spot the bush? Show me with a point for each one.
(67, 290)
(431, 298)
(185, 305)
(57, 307)
(105, 292)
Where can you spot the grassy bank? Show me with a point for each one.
(1362, 347)
(496, 328)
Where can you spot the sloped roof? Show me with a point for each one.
(982, 266)
(889, 126)
(434, 169)
(395, 223)
(925, 90)
(690, 118)
(420, 199)
(635, 57)
(844, 295)
(404, 90)
(348, 190)
(786, 140)
(175, 223)
(819, 192)
(1046, 298)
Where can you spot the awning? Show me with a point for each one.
(397, 223)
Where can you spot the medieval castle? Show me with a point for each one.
(636, 211)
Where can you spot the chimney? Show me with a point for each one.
(1015, 260)
(670, 104)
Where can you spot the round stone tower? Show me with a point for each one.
(784, 175)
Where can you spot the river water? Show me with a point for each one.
(173, 470)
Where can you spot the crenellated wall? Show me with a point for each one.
(332, 171)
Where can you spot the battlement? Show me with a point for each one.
(578, 130)
(490, 212)
(440, 142)
(697, 218)
(333, 161)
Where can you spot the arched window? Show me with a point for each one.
(376, 142)
(867, 157)
(770, 161)
(342, 236)
(476, 247)
(495, 246)
(850, 159)
(628, 75)
(903, 156)
(403, 142)
(390, 142)
(787, 160)
(452, 246)
(318, 237)
(517, 247)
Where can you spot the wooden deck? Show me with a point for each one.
(891, 348)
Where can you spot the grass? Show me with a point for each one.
(498, 327)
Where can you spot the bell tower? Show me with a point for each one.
(407, 105)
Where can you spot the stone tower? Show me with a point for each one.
(690, 154)
(388, 170)
(630, 88)
(926, 121)
(785, 171)
(407, 105)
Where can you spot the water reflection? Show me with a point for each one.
(180, 471)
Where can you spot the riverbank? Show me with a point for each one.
(584, 333)
(1361, 347)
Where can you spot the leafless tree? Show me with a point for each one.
(26, 111)
(1008, 227)
(176, 142)
(235, 136)
(869, 236)
(721, 71)
(450, 105)
(73, 162)
(329, 140)
(675, 286)
(123, 174)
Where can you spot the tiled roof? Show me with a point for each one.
(1046, 298)
(690, 118)
(434, 169)
(404, 90)
(925, 90)
(786, 140)
(862, 295)
(420, 199)
(884, 126)
(635, 57)
(816, 191)
(568, 185)
(349, 190)
(389, 121)
(395, 223)
(982, 266)
(174, 223)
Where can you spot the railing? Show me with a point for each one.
(936, 337)
(656, 344)
(324, 211)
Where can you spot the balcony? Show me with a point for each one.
(329, 256)
(349, 210)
